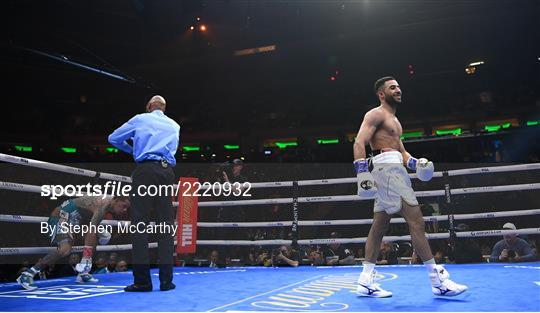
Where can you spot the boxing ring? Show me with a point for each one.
(288, 289)
(492, 286)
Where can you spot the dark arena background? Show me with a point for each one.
(271, 95)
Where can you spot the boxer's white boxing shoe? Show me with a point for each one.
(26, 280)
(367, 287)
(85, 278)
(442, 286)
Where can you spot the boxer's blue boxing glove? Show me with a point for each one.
(366, 182)
(424, 168)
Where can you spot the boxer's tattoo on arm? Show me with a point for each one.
(99, 213)
(87, 202)
(96, 205)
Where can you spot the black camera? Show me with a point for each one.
(511, 254)
(225, 167)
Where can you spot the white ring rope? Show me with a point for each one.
(420, 194)
(61, 168)
(368, 221)
(44, 250)
(467, 234)
(84, 172)
(427, 193)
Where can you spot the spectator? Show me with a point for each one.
(336, 254)
(121, 266)
(285, 256)
(214, 258)
(315, 257)
(264, 258)
(111, 264)
(252, 256)
(511, 248)
(101, 266)
(387, 254)
(236, 173)
(360, 252)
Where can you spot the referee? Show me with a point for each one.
(155, 140)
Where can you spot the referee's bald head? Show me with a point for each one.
(157, 102)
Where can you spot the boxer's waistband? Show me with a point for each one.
(383, 150)
(390, 157)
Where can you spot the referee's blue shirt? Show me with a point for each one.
(154, 135)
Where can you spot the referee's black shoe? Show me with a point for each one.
(138, 288)
(166, 286)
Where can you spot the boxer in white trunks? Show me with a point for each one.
(390, 184)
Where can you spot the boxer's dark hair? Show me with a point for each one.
(380, 82)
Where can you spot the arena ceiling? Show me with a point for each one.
(150, 45)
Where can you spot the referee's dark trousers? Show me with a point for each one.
(152, 173)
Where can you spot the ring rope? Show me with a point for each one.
(420, 194)
(467, 234)
(61, 168)
(39, 219)
(427, 193)
(486, 233)
(83, 172)
(44, 250)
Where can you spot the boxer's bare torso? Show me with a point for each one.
(382, 130)
(387, 129)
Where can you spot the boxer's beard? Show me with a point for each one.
(390, 100)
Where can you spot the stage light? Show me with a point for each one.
(192, 28)
(23, 148)
(202, 28)
(445, 132)
(68, 150)
(416, 134)
(327, 141)
(476, 63)
(470, 70)
(411, 69)
(283, 145)
(191, 148)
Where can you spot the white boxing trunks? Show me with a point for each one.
(393, 183)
